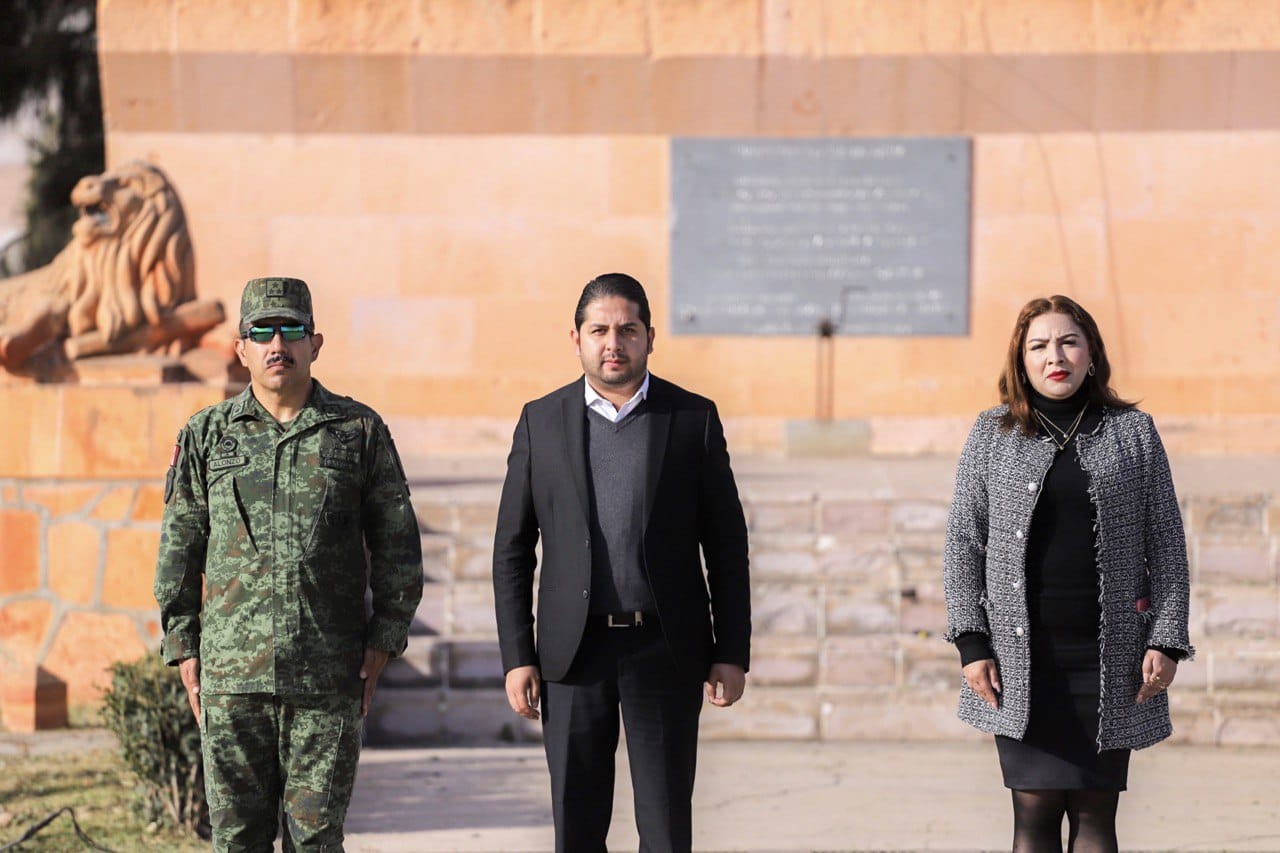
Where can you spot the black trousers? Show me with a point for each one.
(631, 669)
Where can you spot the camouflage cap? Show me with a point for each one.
(286, 298)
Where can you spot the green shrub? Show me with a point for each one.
(146, 708)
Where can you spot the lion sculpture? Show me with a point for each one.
(126, 281)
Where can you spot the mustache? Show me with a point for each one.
(279, 358)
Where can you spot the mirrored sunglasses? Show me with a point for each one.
(265, 334)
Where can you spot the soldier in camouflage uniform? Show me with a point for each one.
(270, 502)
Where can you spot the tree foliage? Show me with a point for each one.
(49, 63)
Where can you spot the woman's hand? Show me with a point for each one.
(1158, 672)
(984, 679)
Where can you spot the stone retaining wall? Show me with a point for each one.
(848, 616)
(75, 589)
(847, 598)
(81, 495)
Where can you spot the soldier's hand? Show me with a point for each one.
(725, 684)
(524, 689)
(370, 670)
(189, 669)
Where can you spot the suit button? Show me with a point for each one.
(1017, 584)
(1018, 631)
(1031, 487)
(1017, 534)
(585, 594)
(586, 543)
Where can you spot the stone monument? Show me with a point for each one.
(98, 351)
(125, 283)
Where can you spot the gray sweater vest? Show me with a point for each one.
(617, 462)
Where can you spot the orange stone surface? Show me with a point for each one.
(76, 656)
(115, 504)
(20, 550)
(75, 432)
(24, 626)
(150, 503)
(131, 568)
(445, 245)
(75, 556)
(62, 499)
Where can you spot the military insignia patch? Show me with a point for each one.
(338, 447)
(227, 445)
(347, 435)
(275, 288)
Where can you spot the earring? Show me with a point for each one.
(1092, 370)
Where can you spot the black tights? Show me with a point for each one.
(1037, 821)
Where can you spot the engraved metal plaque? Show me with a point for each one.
(773, 236)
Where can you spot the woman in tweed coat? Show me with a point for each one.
(1066, 580)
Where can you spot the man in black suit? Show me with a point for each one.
(624, 476)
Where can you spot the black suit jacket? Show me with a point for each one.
(690, 501)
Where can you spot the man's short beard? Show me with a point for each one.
(633, 372)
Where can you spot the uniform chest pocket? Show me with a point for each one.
(340, 448)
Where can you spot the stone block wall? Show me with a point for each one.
(848, 615)
(448, 173)
(847, 596)
(78, 565)
(81, 495)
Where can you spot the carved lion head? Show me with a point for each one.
(130, 256)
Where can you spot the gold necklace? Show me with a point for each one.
(1054, 430)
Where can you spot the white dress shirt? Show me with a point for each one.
(604, 407)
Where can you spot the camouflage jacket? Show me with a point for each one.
(277, 518)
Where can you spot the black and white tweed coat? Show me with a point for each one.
(1141, 551)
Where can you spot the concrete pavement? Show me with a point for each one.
(793, 796)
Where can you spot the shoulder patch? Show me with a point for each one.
(395, 454)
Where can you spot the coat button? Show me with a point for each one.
(1031, 487)
(1017, 584)
(585, 594)
(1018, 631)
(1017, 534)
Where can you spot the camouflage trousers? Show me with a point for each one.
(266, 754)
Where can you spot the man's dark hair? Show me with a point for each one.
(612, 284)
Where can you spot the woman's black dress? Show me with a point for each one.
(1059, 750)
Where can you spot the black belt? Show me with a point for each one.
(622, 619)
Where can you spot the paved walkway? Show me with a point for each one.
(786, 796)
(772, 796)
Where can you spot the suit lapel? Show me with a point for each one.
(659, 428)
(573, 408)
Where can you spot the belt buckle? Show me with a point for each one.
(637, 619)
